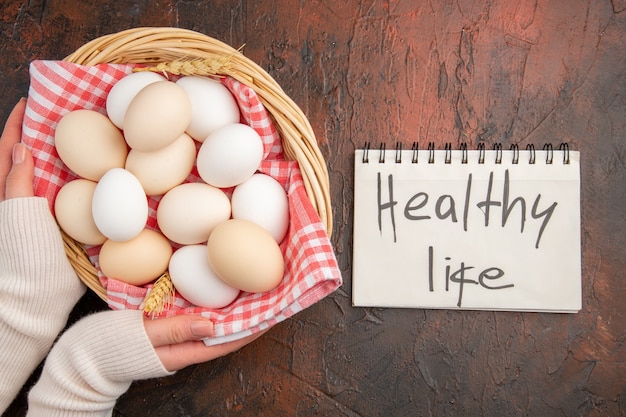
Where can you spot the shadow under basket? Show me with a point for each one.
(185, 52)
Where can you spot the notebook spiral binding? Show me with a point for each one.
(530, 148)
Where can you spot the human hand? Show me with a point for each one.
(178, 341)
(16, 161)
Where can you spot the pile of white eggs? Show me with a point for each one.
(214, 243)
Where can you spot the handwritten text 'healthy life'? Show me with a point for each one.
(497, 205)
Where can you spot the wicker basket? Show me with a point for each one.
(153, 46)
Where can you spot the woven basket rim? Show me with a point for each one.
(156, 45)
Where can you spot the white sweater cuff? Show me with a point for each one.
(93, 363)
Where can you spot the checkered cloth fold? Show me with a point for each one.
(311, 272)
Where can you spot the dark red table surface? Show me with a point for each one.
(443, 72)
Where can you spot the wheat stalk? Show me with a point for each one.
(189, 67)
(215, 66)
(160, 296)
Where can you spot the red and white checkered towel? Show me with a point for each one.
(311, 272)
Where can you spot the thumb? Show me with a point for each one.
(177, 329)
(19, 182)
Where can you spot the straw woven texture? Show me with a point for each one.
(187, 52)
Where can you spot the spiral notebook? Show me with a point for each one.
(483, 229)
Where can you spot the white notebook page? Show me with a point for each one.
(489, 236)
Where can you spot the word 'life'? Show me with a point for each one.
(465, 276)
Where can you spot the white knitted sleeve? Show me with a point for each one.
(93, 363)
(38, 289)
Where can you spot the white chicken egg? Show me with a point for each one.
(212, 106)
(262, 200)
(119, 205)
(194, 278)
(123, 91)
(230, 155)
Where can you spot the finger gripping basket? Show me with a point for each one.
(185, 52)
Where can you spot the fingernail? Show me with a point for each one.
(201, 328)
(19, 153)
